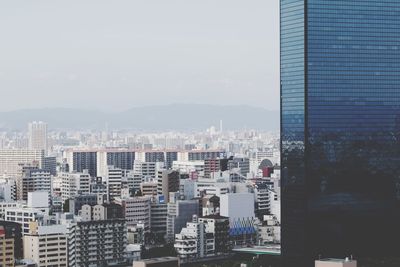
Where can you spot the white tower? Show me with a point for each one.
(37, 135)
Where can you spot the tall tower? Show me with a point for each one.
(37, 135)
(340, 129)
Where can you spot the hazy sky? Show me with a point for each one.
(116, 54)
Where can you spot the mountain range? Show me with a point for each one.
(182, 117)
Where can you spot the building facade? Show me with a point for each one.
(46, 244)
(167, 181)
(11, 159)
(340, 123)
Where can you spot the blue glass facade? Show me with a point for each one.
(340, 128)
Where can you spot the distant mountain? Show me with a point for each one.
(155, 118)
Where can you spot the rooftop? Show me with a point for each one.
(337, 260)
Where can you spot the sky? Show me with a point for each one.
(116, 54)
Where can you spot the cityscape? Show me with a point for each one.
(200, 133)
(112, 198)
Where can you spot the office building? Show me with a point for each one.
(136, 210)
(167, 181)
(339, 129)
(158, 220)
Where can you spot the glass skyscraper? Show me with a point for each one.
(340, 129)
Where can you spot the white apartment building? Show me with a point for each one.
(22, 216)
(74, 183)
(46, 244)
(114, 182)
(36, 180)
(10, 160)
(193, 241)
(5, 205)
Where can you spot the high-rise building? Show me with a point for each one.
(6, 249)
(37, 135)
(32, 180)
(114, 182)
(79, 160)
(122, 159)
(11, 236)
(167, 181)
(158, 220)
(74, 183)
(97, 243)
(46, 244)
(340, 125)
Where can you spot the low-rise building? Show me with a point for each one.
(193, 241)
